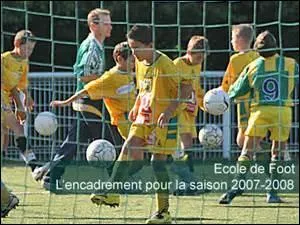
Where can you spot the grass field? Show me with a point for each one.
(38, 206)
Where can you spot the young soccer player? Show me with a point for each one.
(270, 80)
(115, 87)
(8, 200)
(14, 70)
(155, 105)
(89, 66)
(189, 67)
(242, 36)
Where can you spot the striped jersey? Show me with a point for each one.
(270, 81)
(89, 60)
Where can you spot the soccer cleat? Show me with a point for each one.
(54, 187)
(112, 200)
(273, 198)
(160, 218)
(13, 203)
(39, 172)
(229, 196)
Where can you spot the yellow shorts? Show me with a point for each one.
(160, 136)
(277, 120)
(243, 113)
(187, 123)
(6, 110)
(124, 128)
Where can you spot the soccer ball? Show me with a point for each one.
(216, 101)
(211, 136)
(101, 152)
(45, 123)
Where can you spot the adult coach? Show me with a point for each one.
(89, 65)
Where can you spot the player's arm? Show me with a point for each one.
(23, 86)
(200, 95)
(88, 78)
(134, 111)
(20, 111)
(241, 86)
(78, 95)
(185, 93)
(93, 67)
(228, 78)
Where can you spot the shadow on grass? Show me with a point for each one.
(115, 218)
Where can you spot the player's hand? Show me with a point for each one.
(164, 118)
(20, 114)
(29, 103)
(58, 103)
(133, 114)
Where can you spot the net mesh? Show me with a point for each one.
(61, 26)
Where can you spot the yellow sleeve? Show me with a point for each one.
(23, 83)
(101, 87)
(228, 78)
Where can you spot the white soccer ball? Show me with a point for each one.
(102, 152)
(211, 136)
(216, 101)
(45, 123)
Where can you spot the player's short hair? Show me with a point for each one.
(141, 33)
(95, 14)
(122, 49)
(266, 44)
(25, 36)
(198, 43)
(244, 31)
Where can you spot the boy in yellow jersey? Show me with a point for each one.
(242, 36)
(189, 67)
(115, 87)
(8, 200)
(270, 80)
(14, 70)
(155, 105)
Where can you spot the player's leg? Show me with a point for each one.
(277, 149)
(240, 138)
(5, 142)
(162, 214)
(21, 141)
(280, 131)
(242, 120)
(78, 134)
(131, 157)
(250, 144)
(8, 201)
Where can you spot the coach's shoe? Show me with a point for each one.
(229, 196)
(12, 204)
(39, 172)
(112, 200)
(160, 218)
(273, 198)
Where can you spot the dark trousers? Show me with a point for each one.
(90, 128)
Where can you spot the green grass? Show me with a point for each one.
(38, 206)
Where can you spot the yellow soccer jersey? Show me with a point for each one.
(191, 74)
(235, 66)
(158, 85)
(118, 91)
(13, 74)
